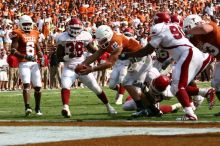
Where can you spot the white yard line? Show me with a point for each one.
(14, 135)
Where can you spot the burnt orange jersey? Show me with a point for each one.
(27, 42)
(209, 42)
(128, 44)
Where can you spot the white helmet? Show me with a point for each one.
(104, 35)
(191, 21)
(26, 23)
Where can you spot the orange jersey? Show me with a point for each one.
(128, 44)
(27, 42)
(209, 42)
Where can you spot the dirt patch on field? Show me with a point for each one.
(208, 139)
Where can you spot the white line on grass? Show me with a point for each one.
(14, 135)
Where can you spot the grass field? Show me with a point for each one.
(84, 105)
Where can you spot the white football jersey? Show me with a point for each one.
(170, 37)
(74, 44)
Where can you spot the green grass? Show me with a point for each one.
(85, 105)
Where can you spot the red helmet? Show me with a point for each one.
(75, 27)
(160, 83)
(161, 17)
(129, 32)
(177, 19)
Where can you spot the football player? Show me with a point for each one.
(115, 44)
(26, 48)
(205, 35)
(189, 60)
(71, 47)
(119, 71)
(197, 99)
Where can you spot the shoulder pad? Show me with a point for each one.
(157, 29)
(59, 38)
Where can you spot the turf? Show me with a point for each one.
(85, 105)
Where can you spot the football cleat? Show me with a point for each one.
(149, 112)
(66, 111)
(187, 117)
(141, 113)
(176, 107)
(210, 95)
(198, 100)
(119, 99)
(38, 112)
(111, 110)
(28, 111)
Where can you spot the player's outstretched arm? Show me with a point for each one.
(93, 57)
(201, 29)
(148, 49)
(90, 47)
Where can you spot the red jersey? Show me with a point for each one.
(27, 42)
